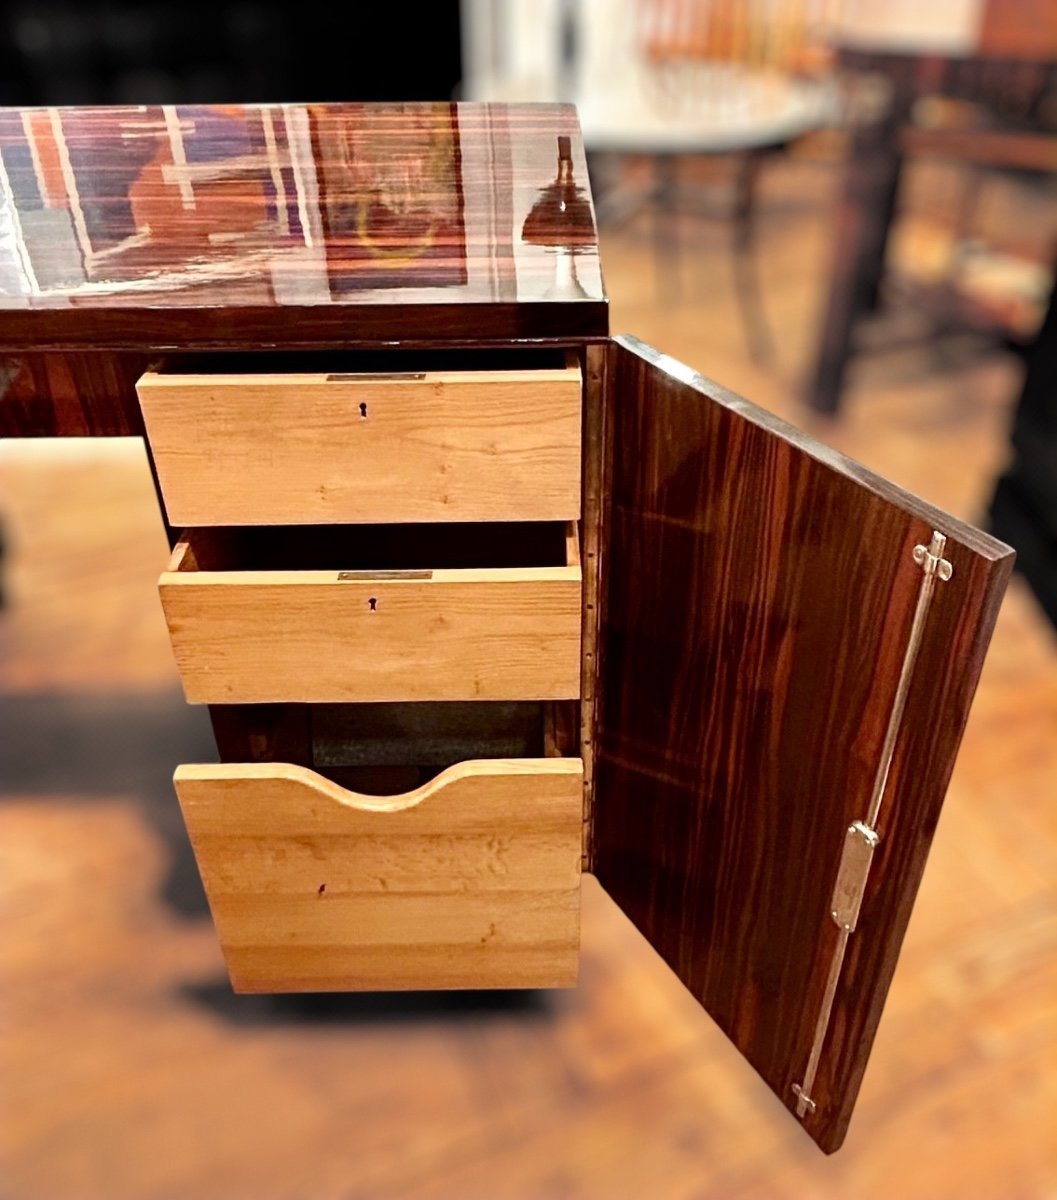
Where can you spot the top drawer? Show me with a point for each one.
(313, 447)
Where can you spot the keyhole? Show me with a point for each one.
(363, 410)
(373, 602)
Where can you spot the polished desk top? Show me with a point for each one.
(154, 227)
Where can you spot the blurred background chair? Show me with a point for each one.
(661, 86)
(976, 88)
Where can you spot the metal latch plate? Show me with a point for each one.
(859, 844)
(372, 576)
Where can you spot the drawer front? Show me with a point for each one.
(472, 881)
(316, 449)
(247, 637)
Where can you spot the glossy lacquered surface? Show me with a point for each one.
(757, 599)
(294, 224)
(70, 393)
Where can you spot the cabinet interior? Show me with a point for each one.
(449, 546)
(394, 747)
(388, 748)
(398, 361)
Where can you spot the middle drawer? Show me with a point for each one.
(373, 613)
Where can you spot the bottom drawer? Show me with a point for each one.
(471, 881)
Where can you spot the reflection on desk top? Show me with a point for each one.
(151, 227)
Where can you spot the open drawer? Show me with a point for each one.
(324, 614)
(471, 881)
(292, 441)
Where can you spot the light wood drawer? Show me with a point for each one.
(313, 448)
(351, 614)
(472, 881)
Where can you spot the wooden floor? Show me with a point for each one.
(129, 1070)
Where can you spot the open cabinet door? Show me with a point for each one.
(784, 677)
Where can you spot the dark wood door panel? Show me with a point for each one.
(757, 599)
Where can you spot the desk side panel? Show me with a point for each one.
(70, 394)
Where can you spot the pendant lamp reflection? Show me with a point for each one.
(561, 221)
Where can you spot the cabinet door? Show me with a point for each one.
(770, 752)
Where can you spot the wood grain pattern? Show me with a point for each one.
(233, 449)
(594, 487)
(744, 697)
(470, 881)
(479, 633)
(621, 1087)
(70, 394)
(145, 228)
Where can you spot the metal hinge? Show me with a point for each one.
(862, 838)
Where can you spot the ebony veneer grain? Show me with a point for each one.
(757, 599)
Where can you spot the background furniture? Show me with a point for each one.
(1024, 506)
(665, 83)
(1022, 134)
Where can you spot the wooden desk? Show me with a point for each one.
(777, 648)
